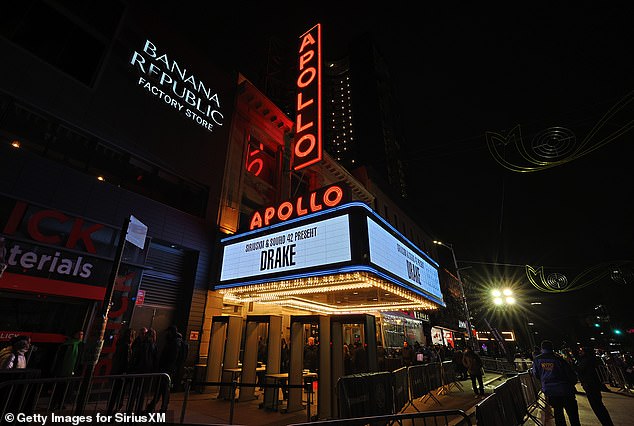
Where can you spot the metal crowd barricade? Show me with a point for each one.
(449, 378)
(511, 401)
(488, 412)
(365, 394)
(107, 394)
(448, 417)
(613, 375)
(498, 365)
(400, 383)
(531, 392)
(418, 384)
(433, 377)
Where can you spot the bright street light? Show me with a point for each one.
(505, 297)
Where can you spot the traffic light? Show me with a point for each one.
(597, 325)
(617, 331)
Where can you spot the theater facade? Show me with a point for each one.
(238, 226)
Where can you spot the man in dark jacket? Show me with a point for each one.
(587, 372)
(171, 360)
(311, 355)
(407, 355)
(558, 384)
(473, 364)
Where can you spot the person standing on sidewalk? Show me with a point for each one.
(473, 364)
(587, 372)
(407, 355)
(558, 384)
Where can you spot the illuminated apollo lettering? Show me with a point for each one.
(177, 87)
(316, 201)
(308, 142)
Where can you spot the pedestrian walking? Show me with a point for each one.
(558, 384)
(473, 364)
(66, 364)
(586, 369)
(121, 365)
(461, 370)
(136, 349)
(144, 360)
(172, 358)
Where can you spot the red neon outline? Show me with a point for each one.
(336, 201)
(288, 206)
(300, 211)
(314, 207)
(267, 216)
(318, 137)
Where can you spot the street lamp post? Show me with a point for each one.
(472, 339)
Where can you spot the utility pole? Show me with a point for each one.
(472, 339)
(101, 321)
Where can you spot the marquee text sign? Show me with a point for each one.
(172, 83)
(308, 142)
(387, 252)
(311, 245)
(323, 198)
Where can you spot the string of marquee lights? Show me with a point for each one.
(555, 282)
(556, 145)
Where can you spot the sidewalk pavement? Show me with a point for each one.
(207, 409)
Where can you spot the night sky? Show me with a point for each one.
(464, 71)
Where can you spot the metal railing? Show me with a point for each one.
(614, 376)
(233, 387)
(499, 365)
(108, 395)
(449, 417)
(511, 403)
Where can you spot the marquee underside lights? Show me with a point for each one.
(339, 293)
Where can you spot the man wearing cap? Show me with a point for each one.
(558, 381)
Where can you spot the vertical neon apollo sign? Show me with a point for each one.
(308, 142)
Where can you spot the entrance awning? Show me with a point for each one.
(329, 294)
(346, 259)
